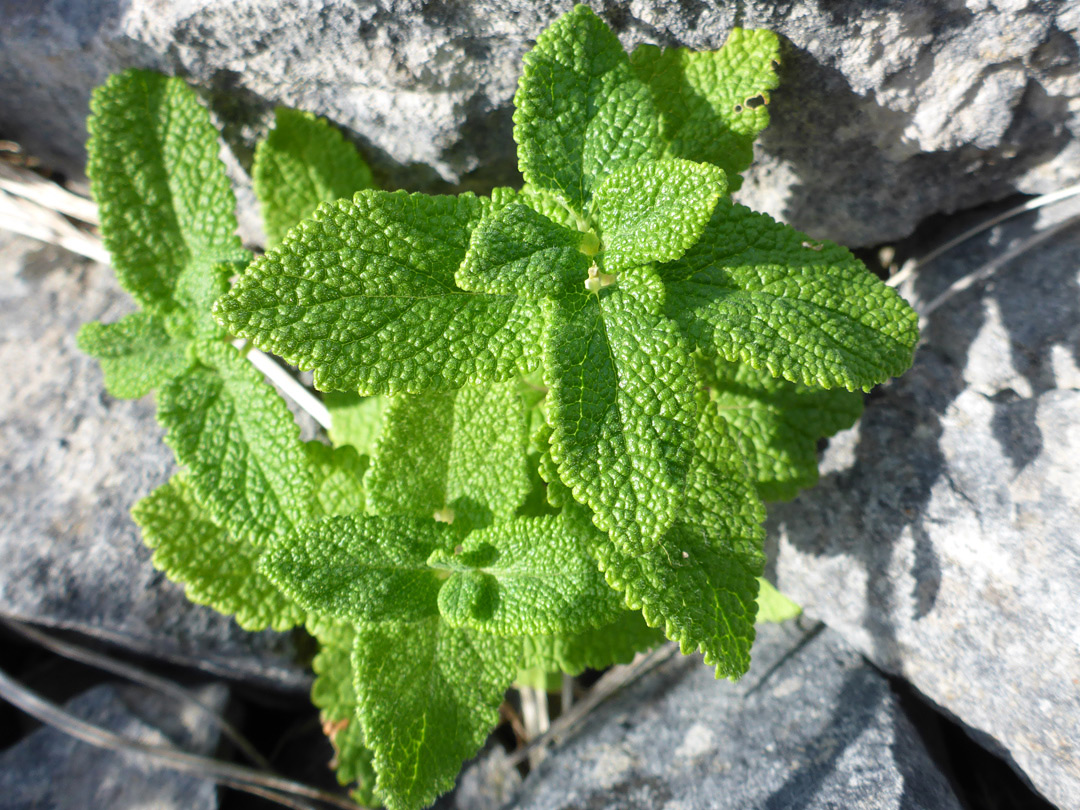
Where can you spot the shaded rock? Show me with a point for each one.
(488, 782)
(891, 111)
(942, 539)
(810, 726)
(49, 769)
(73, 460)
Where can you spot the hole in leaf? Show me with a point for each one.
(755, 102)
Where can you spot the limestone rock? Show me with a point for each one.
(812, 725)
(942, 539)
(887, 112)
(72, 462)
(49, 769)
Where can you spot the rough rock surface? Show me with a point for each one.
(72, 462)
(49, 769)
(942, 539)
(812, 725)
(890, 111)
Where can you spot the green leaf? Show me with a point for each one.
(461, 454)
(163, 196)
(355, 420)
(517, 251)
(215, 568)
(655, 210)
(758, 292)
(201, 284)
(303, 161)
(551, 206)
(777, 424)
(333, 693)
(700, 582)
(580, 110)
(246, 462)
(136, 353)
(713, 103)
(339, 476)
(360, 568)
(773, 606)
(364, 294)
(429, 696)
(558, 494)
(529, 576)
(332, 690)
(596, 648)
(621, 408)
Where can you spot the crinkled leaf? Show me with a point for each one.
(239, 441)
(529, 576)
(517, 251)
(364, 294)
(558, 494)
(581, 110)
(621, 407)
(360, 568)
(596, 648)
(215, 568)
(198, 287)
(429, 696)
(700, 582)
(773, 606)
(303, 161)
(777, 424)
(758, 292)
(713, 103)
(163, 196)
(136, 353)
(339, 477)
(333, 693)
(462, 451)
(355, 420)
(655, 210)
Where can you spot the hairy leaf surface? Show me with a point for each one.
(581, 111)
(529, 576)
(163, 197)
(136, 353)
(621, 408)
(655, 210)
(700, 582)
(777, 424)
(518, 251)
(339, 478)
(246, 462)
(429, 696)
(215, 568)
(758, 292)
(595, 648)
(303, 161)
(462, 451)
(333, 693)
(364, 294)
(360, 568)
(714, 103)
(355, 420)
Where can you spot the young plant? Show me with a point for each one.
(575, 394)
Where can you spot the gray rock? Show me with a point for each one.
(890, 111)
(49, 770)
(73, 460)
(812, 725)
(942, 539)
